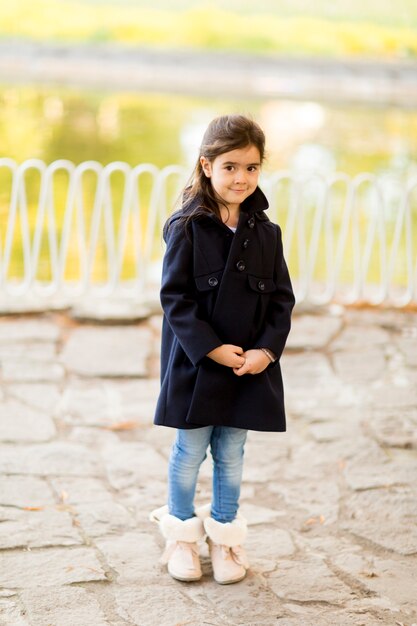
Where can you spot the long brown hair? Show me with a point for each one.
(223, 134)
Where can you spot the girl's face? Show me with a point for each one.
(234, 175)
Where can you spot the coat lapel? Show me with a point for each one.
(225, 305)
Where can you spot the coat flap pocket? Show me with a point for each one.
(261, 285)
(208, 282)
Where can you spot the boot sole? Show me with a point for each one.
(230, 582)
(185, 580)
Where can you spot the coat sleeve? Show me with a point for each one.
(195, 335)
(278, 318)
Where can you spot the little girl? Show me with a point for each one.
(227, 301)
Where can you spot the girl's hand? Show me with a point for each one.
(228, 355)
(256, 362)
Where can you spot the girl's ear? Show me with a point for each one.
(206, 166)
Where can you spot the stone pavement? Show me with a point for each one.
(332, 503)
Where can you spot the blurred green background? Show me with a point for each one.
(330, 27)
(59, 122)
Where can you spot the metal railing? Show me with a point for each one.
(348, 240)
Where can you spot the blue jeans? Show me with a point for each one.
(187, 454)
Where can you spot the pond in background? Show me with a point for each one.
(60, 123)
(55, 123)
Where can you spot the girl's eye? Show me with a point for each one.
(252, 168)
(229, 168)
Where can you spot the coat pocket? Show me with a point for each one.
(208, 282)
(261, 285)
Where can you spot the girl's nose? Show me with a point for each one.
(240, 176)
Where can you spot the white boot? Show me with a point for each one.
(228, 558)
(181, 553)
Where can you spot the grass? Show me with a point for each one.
(296, 28)
(377, 11)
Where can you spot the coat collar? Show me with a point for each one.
(257, 201)
(253, 206)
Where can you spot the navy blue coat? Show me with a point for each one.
(219, 287)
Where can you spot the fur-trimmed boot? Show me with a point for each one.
(228, 558)
(181, 554)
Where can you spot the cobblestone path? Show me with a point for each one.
(332, 503)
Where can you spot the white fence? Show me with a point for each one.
(348, 240)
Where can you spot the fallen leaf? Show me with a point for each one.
(322, 519)
(64, 507)
(369, 574)
(63, 496)
(129, 425)
(33, 508)
(311, 521)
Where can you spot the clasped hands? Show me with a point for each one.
(249, 362)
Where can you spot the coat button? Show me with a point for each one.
(261, 285)
(245, 243)
(212, 281)
(241, 266)
(251, 222)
